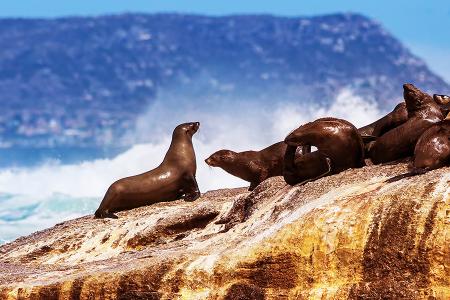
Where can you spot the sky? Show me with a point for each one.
(423, 26)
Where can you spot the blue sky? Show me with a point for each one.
(424, 26)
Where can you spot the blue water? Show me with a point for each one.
(24, 214)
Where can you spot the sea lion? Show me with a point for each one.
(444, 103)
(339, 147)
(432, 150)
(252, 166)
(393, 119)
(397, 117)
(172, 179)
(304, 168)
(399, 142)
(371, 132)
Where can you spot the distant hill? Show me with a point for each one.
(81, 81)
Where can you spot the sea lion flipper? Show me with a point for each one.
(289, 169)
(191, 191)
(368, 138)
(260, 173)
(252, 186)
(110, 216)
(328, 161)
(105, 214)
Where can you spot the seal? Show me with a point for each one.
(339, 147)
(397, 117)
(251, 166)
(444, 103)
(371, 132)
(304, 168)
(173, 179)
(393, 119)
(432, 150)
(400, 141)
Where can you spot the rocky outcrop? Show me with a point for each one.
(361, 234)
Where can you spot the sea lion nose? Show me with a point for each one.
(197, 124)
(208, 160)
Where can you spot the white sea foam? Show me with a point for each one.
(246, 125)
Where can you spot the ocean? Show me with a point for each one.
(42, 187)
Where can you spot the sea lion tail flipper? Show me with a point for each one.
(419, 171)
(414, 172)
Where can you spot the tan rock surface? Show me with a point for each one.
(352, 235)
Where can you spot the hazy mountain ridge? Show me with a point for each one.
(83, 81)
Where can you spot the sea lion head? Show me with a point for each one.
(441, 99)
(219, 157)
(187, 128)
(415, 99)
(432, 150)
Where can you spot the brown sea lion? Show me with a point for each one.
(371, 132)
(339, 147)
(397, 117)
(173, 179)
(399, 142)
(251, 166)
(393, 119)
(444, 103)
(432, 150)
(304, 168)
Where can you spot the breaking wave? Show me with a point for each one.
(38, 197)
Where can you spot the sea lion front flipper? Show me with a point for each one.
(328, 161)
(289, 169)
(105, 214)
(259, 172)
(368, 138)
(110, 216)
(253, 185)
(191, 191)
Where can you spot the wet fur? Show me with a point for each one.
(339, 147)
(399, 142)
(251, 166)
(172, 179)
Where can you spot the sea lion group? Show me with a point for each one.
(416, 127)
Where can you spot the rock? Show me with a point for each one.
(351, 235)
